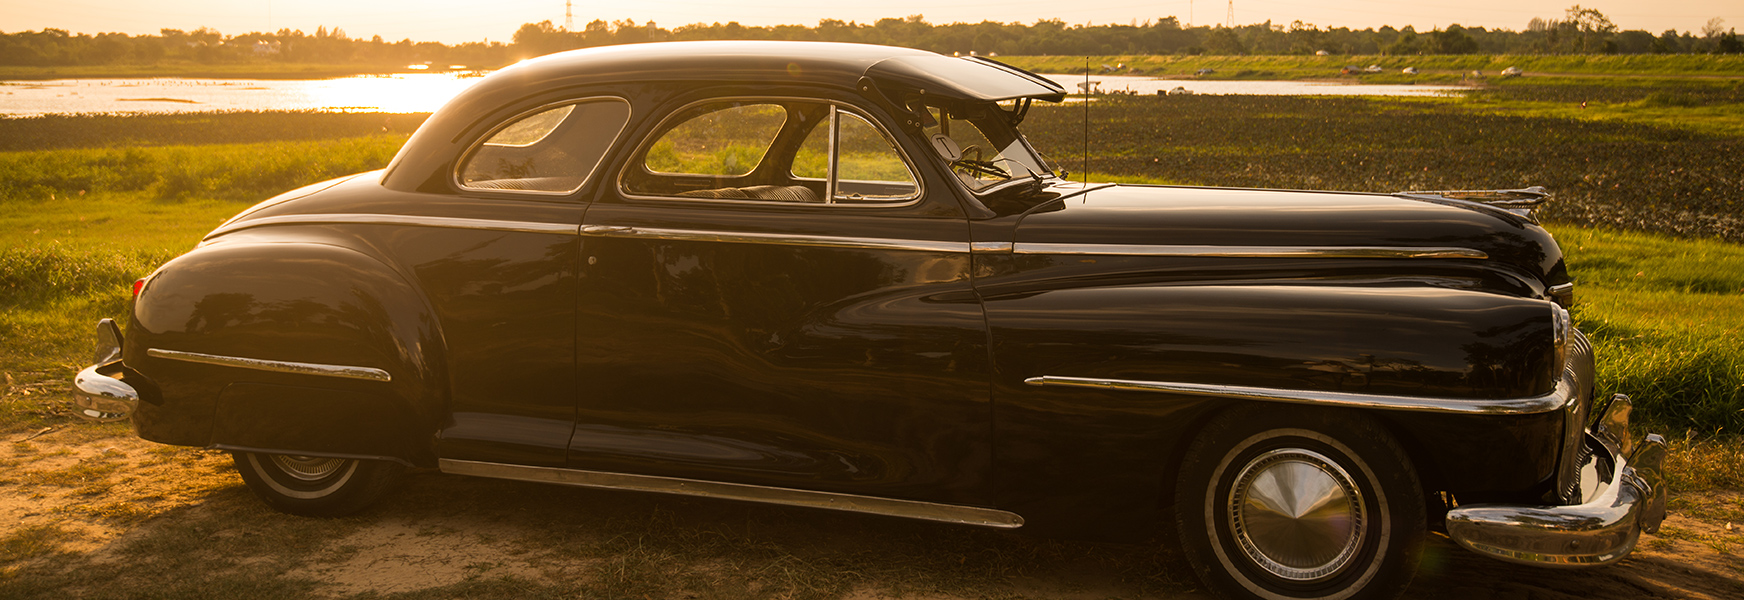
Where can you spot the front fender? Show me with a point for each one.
(298, 346)
(1314, 336)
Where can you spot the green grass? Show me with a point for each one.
(1666, 317)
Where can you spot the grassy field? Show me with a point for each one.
(1618, 171)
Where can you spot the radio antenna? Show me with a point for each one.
(1086, 121)
(568, 15)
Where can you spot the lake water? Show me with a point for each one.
(425, 92)
(401, 93)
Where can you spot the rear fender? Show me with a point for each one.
(300, 346)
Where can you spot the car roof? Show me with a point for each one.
(781, 61)
(897, 72)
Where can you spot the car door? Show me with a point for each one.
(771, 295)
(496, 258)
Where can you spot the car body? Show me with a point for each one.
(836, 276)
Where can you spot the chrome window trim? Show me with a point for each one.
(778, 239)
(907, 161)
(1249, 251)
(276, 366)
(913, 509)
(407, 220)
(832, 167)
(1556, 399)
(466, 157)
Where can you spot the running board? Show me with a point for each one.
(911, 509)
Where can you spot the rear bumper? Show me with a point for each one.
(97, 394)
(1625, 497)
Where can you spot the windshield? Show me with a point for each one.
(982, 147)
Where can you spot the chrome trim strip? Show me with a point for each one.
(990, 247)
(1511, 406)
(276, 366)
(410, 220)
(780, 239)
(912, 509)
(1250, 251)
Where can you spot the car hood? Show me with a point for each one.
(1146, 219)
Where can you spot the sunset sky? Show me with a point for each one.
(454, 21)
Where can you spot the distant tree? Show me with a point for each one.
(1714, 28)
(1667, 43)
(1222, 41)
(1592, 27)
(1406, 43)
(1729, 44)
(1452, 40)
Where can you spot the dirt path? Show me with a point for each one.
(94, 512)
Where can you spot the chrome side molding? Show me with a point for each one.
(407, 220)
(1555, 400)
(276, 366)
(912, 509)
(780, 239)
(1252, 251)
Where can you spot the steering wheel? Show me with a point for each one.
(977, 166)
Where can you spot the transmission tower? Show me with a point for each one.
(1230, 21)
(569, 14)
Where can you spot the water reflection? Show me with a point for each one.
(398, 93)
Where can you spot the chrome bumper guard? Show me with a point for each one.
(97, 395)
(1621, 501)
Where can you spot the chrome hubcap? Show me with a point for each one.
(307, 468)
(1297, 514)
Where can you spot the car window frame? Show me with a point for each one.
(457, 173)
(636, 159)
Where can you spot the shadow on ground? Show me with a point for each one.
(448, 536)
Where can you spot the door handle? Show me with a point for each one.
(606, 229)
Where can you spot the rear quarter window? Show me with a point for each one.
(551, 150)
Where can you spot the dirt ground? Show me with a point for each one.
(93, 512)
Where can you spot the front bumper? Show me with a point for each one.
(1624, 497)
(97, 394)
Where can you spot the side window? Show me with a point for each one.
(553, 150)
(771, 150)
(868, 167)
(726, 140)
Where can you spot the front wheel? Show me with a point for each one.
(316, 486)
(1290, 503)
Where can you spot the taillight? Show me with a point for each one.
(137, 285)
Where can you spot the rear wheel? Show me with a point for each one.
(316, 486)
(1283, 502)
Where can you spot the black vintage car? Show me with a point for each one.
(836, 276)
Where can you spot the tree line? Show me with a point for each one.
(1580, 31)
